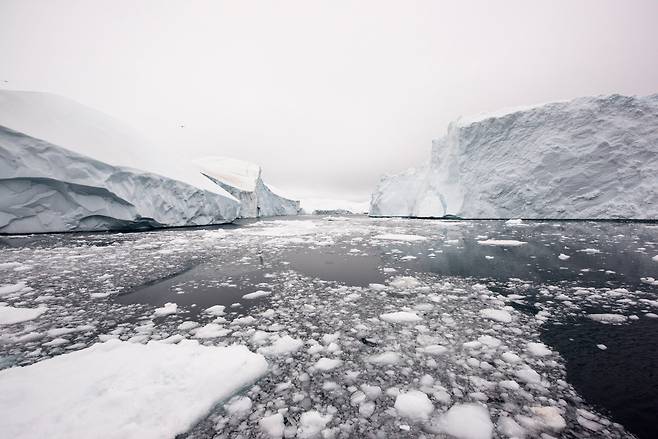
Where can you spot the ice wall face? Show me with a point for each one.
(586, 158)
(46, 188)
(243, 180)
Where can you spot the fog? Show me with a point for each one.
(325, 95)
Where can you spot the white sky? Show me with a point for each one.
(325, 95)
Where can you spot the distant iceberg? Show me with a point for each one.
(243, 180)
(594, 157)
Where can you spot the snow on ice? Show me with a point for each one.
(123, 390)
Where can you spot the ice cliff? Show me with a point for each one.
(594, 157)
(47, 188)
(67, 167)
(243, 180)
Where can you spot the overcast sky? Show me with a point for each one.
(325, 95)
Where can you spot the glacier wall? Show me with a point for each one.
(591, 157)
(46, 188)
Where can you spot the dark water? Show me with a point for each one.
(621, 380)
(202, 286)
(332, 265)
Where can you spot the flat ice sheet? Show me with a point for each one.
(123, 390)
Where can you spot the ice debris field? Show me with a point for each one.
(428, 329)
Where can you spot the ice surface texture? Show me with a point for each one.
(594, 157)
(119, 389)
(46, 188)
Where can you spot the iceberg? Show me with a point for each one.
(47, 188)
(243, 181)
(588, 158)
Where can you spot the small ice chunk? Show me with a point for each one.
(538, 349)
(256, 294)
(400, 237)
(490, 341)
(414, 405)
(551, 417)
(325, 363)
(239, 407)
(466, 421)
(211, 330)
(510, 428)
(433, 349)
(216, 310)
(502, 242)
(272, 426)
(608, 318)
(400, 317)
(498, 315)
(404, 282)
(563, 257)
(282, 345)
(248, 320)
(311, 424)
(387, 357)
(187, 325)
(169, 308)
(528, 375)
(602, 347)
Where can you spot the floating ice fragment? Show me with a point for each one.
(248, 320)
(12, 288)
(211, 330)
(400, 237)
(466, 421)
(168, 309)
(538, 349)
(433, 349)
(272, 426)
(238, 407)
(311, 424)
(563, 257)
(256, 294)
(403, 282)
(400, 317)
(327, 363)
(216, 310)
(528, 375)
(282, 345)
(498, 315)
(551, 417)
(608, 318)
(387, 357)
(414, 405)
(502, 242)
(10, 315)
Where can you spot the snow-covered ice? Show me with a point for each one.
(123, 390)
(10, 315)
